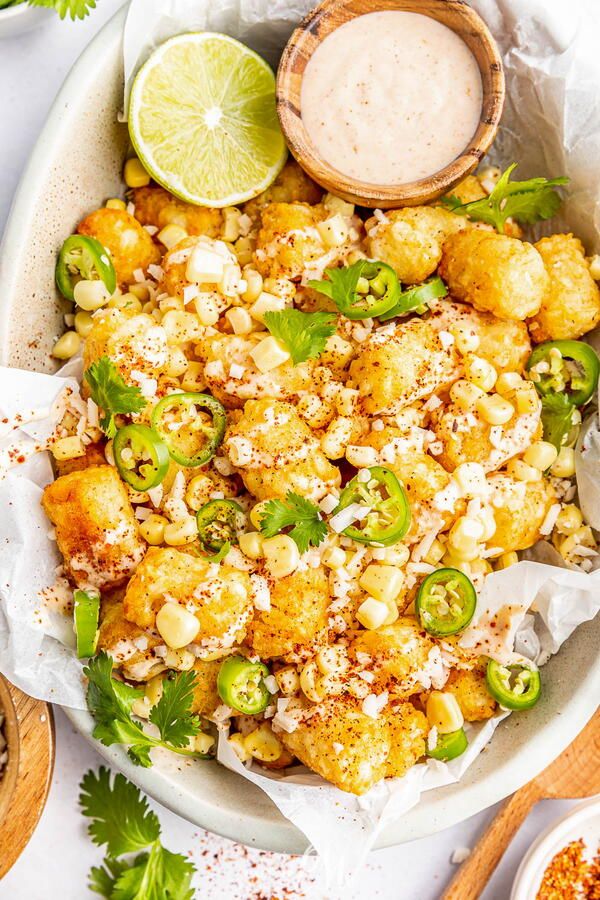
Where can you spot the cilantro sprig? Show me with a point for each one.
(341, 285)
(111, 702)
(76, 9)
(307, 526)
(121, 820)
(525, 201)
(304, 335)
(111, 393)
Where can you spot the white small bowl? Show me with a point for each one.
(19, 19)
(581, 822)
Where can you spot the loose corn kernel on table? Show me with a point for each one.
(54, 866)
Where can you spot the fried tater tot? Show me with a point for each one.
(494, 273)
(156, 206)
(292, 185)
(129, 244)
(571, 307)
(288, 239)
(411, 240)
(520, 508)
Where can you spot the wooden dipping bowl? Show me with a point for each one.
(313, 30)
(29, 732)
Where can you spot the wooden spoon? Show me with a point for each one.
(576, 773)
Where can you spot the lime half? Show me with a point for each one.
(203, 120)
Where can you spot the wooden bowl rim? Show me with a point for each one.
(30, 722)
(407, 193)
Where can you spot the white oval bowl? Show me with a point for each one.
(75, 166)
(22, 18)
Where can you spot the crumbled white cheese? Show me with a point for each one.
(373, 704)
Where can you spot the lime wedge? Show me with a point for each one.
(203, 121)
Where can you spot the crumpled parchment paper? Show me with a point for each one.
(551, 127)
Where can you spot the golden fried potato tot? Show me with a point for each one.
(365, 744)
(288, 240)
(156, 206)
(470, 689)
(397, 652)
(411, 240)
(297, 619)
(422, 477)
(218, 595)
(206, 697)
(494, 273)
(131, 647)
(519, 510)
(393, 369)
(96, 530)
(571, 306)
(408, 734)
(94, 456)
(503, 342)
(134, 343)
(292, 185)
(275, 452)
(468, 190)
(130, 245)
(222, 351)
(466, 437)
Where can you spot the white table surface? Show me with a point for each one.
(55, 863)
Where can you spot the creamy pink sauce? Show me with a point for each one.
(391, 97)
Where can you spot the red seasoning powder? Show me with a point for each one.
(571, 876)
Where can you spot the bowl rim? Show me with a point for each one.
(12, 12)
(319, 24)
(452, 804)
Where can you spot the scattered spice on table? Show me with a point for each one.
(571, 875)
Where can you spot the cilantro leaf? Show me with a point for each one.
(526, 201)
(304, 335)
(111, 393)
(557, 418)
(77, 9)
(110, 702)
(340, 285)
(122, 820)
(308, 527)
(172, 714)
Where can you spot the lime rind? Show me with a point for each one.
(203, 120)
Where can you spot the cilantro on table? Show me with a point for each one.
(304, 335)
(525, 201)
(110, 702)
(76, 9)
(308, 528)
(111, 393)
(121, 820)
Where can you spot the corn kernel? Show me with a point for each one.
(480, 372)
(181, 327)
(372, 613)
(263, 745)
(465, 394)
(141, 708)
(435, 553)
(141, 291)
(382, 582)
(464, 537)
(312, 683)
(595, 267)
(206, 309)
(177, 362)
(182, 660)
(179, 533)
(281, 554)
(471, 479)
(443, 712)
(202, 743)
(135, 174)
(193, 379)
(337, 437)
(335, 205)
(269, 354)
(237, 742)
(152, 529)
(240, 320)
(495, 410)
(198, 491)
(334, 558)
(176, 625)
(481, 567)
(83, 323)
(280, 287)
(244, 248)
(334, 231)
(466, 340)
(115, 203)
(508, 382)
(456, 562)
(154, 689)
(507, 559)
(171, 235)
(254, 285)
(257, 512)
(68, 448)
(522, 471)
(564, 465)
(541, 455)
(251, 544)
(266, 303)
(569, 519)
(526, 400)
(361, 457)
(67, 345)
(396, 556)
(288, 680)
(231, 224)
